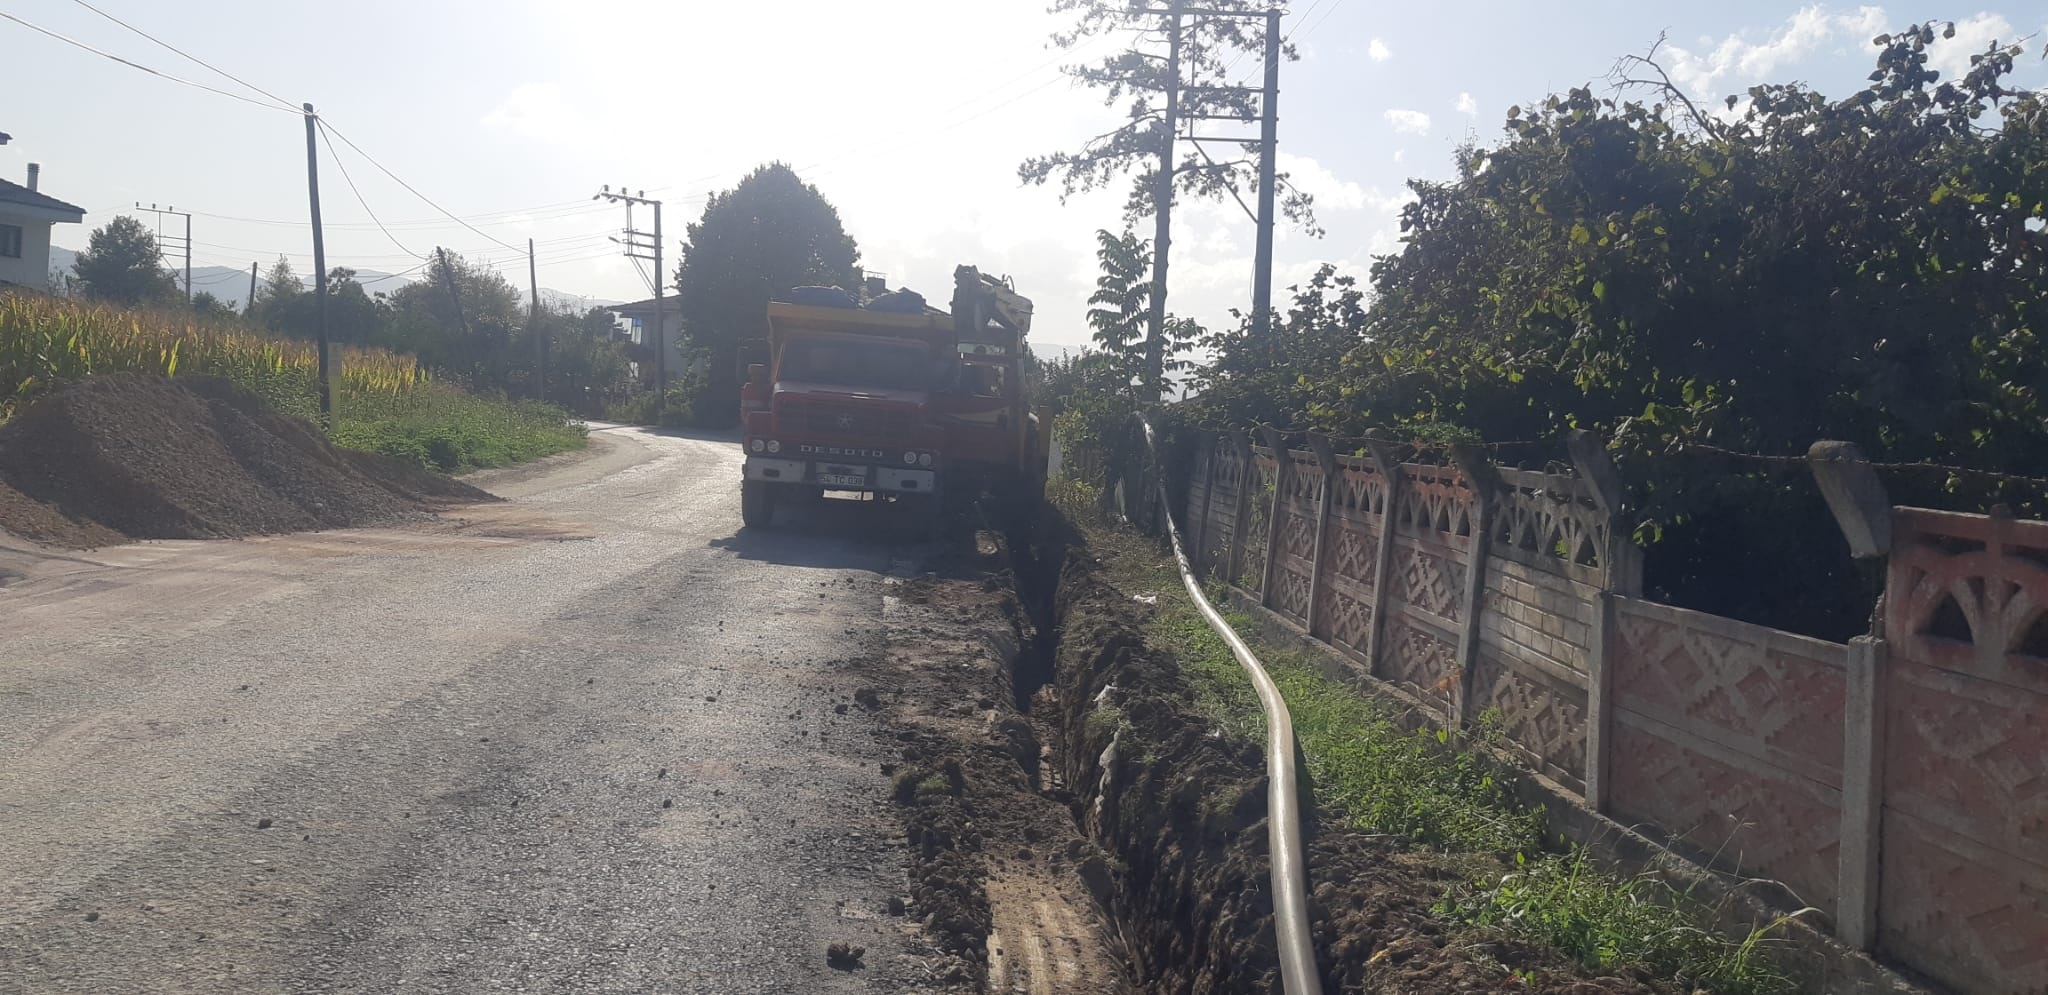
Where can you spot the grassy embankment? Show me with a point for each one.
(384, 402)
(1421, 789)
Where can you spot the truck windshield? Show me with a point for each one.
(854, 363)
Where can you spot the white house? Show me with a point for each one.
(640, 319)
(25, 219)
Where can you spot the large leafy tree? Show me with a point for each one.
(769, 234)
(122, 265)
(477, 332)
(1869, 269)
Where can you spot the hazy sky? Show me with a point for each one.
(910, 115)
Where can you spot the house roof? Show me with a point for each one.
(670, 304)
(15, 193)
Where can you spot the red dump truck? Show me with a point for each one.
(892, 400)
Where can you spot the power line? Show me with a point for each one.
(410, 189)
(1326, 16)
(510, 216)
(202, 62)
(137, 65)
(350, 180)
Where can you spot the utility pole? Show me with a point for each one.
(540, 342)
(645, 245)
(319, 269)
(249, 303)
(1269, 127)
(1162, 209)
(161, 238)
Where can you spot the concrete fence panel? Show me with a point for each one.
(1964, 861)
(1358, 511)
(1435, 522)
(1729, 737)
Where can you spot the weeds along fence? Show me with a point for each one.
(46, 342)
(1897, 782)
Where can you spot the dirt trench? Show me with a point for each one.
(1177, 813)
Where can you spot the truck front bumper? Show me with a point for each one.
(841, 476)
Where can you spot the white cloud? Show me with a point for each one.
(1400, 154)
(536, 110)
(1316, 180)
(1390, 202)
(1736, 61)
(1408, 122)
(1467, 105)
(1379, 51)
(1973, 34)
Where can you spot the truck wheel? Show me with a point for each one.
(757, 504)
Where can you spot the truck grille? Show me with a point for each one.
(845, 420)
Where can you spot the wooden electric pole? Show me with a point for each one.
(319, 270)
(249, 304)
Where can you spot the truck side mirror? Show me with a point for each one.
(757, 373)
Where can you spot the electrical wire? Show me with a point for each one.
(137, 65)
(350, 180)
(1326, 16)
(415, 192)
(286, 104)
(544, 212)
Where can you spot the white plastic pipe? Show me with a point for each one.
(1298, 975)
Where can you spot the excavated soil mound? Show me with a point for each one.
(137, 457)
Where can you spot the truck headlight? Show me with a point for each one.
(924, 459)
(774, 446)
(755, 445)
(909, 457)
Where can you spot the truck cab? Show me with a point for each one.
(896, 399)
(844, 404)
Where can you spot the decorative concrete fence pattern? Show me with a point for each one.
(1898, 783)
(1964, 867)
(1729, 736)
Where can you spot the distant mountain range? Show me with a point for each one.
(232, 285)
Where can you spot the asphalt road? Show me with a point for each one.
(585, 741)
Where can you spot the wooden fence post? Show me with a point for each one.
(1485, 484)
(1276, 512)
(1247, 467)
(1382, 453)
(1327, 460)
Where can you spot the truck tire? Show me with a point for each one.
(757, 504)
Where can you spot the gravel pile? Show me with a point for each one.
(125, 457)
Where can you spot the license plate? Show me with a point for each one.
(843, 476)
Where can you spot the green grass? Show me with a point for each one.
(1423, 791)
(1638, 923)
(445, 428)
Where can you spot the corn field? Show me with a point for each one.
(47, 342)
